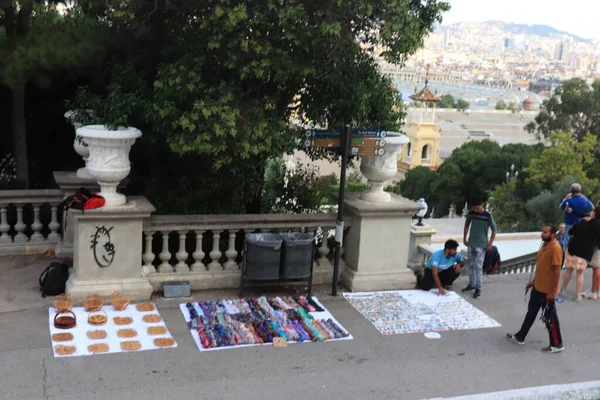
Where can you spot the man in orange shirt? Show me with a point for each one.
(544, 288)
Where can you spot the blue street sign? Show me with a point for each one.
(365, 132)
(335, 133)
(323, 133)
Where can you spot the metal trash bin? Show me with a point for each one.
(262, 256)
(298, 255)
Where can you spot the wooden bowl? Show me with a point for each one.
(97, 317)
(63, 302)
(93, 302)
(120, 301)
(65, 320)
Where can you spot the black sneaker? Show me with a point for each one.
(514, 339)
(449, 288)
(468, 288)
(477, 293)
(553, 349)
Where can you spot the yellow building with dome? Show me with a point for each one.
(423, 133)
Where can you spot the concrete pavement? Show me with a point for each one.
(371, 366)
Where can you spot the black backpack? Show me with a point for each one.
(54, 279)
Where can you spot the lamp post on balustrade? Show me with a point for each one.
(512, 174)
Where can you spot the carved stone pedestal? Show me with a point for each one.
(107, 252)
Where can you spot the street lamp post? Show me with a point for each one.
(512, 174)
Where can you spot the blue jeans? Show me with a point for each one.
(476, 258)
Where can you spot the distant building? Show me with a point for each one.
(544, 87)
(560, 51)
(528, 104)
(509, 43)
(446, 37)
(424, 134)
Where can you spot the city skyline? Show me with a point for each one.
(578, 21)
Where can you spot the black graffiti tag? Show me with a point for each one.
(103, 248)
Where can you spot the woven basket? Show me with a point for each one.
(120, 301)
(65, 320)
(63, 302)
(97, 317)
(93, 302)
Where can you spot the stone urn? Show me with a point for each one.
(380, 169)
(79, 145)
(108, 161)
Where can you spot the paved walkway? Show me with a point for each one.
(371, 366)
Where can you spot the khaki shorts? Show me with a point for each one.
(578, 263)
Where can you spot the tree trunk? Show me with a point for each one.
(19, 134)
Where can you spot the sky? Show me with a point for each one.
(578, 17)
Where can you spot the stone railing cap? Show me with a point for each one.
(34, 196)
(240, 221)
(397, 206)
(136, 207)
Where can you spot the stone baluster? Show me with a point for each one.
(20, 226)
(231, 252)
(181, 255)
(36, 226)
(165, 255)
(148, 256)
(54, 225)
(324, 250)
(215, 254)
(4, 226)
(198, 254)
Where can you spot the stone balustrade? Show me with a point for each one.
(424, 254)
(517, 265)
(29, 222)
(207, 249)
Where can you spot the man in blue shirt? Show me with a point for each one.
(443, 268)
(576, 206)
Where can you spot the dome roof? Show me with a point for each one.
(528, 100)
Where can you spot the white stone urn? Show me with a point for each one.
(79, 145)
(380, 169)
(108, 161)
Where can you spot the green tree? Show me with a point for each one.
(447, 101)
(575, 107)
(462, 104)
(511, 106)
(564, 157)
(501, 105)
(36, 43)
(417, 183)
(543, 208)
(224, 80)
(297, 191)
(508, 209)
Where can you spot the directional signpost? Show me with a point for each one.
(351, 142)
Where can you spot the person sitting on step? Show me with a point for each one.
(443, 268)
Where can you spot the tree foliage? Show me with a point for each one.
(37, 43)
(223, 79)
(473, 170)
(501, 105)
(446, 101)
(508, 209)
(417, 183)
(564, 157)
(575, 107)
(462, 104)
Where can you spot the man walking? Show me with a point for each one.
(576, 206)
(480, 222)
(442, 268)
(544, 289)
